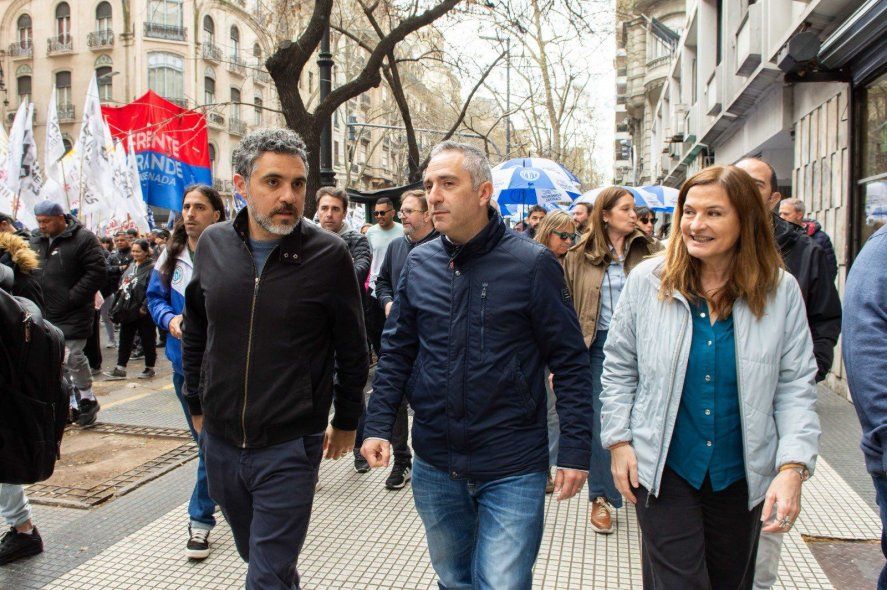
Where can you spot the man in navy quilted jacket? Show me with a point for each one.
(477, 317)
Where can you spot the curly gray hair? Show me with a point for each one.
(475, 161)
(273, 139)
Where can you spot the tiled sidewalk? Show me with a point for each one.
(363, 536)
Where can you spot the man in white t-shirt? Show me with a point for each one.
(380, 236)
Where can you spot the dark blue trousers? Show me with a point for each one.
(266, 496)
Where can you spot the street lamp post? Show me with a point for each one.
(325, 67)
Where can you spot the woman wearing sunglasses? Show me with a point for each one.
(596, 269)
(646, 220)
(557, 232)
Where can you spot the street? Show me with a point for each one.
(363, 536)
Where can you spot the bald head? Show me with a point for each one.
(765, 179)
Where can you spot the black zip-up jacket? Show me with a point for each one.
(807, 262)
(259, 353)
(392, 264)
(71, 271)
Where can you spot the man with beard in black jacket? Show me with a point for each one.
(272, 315)
(807, 262)
(332, 207)
(72, 272)
(417, 229)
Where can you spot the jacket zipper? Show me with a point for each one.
(674, 370)
(739, 392)
(249, 339)
(483, 316)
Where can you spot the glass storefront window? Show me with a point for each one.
(873, 157)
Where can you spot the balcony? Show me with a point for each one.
(167, 32)
(60, 44)
(236, 65)
(100, 39)
(211, 52)
(216, 120)
(21, 50)
(66, 112)
(656, 70)
(748, 42)
(260, 76)
(712, 93)
(182, 102)
(236, 127)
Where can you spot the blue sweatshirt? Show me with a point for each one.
(864, 346)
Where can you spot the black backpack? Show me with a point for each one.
(127, 304)
(33, 399)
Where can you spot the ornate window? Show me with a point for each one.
(166, 75)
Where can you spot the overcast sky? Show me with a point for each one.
(463, 36)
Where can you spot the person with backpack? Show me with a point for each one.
(131, 312)
(18, 264)
(202, 207)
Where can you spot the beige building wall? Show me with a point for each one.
(135, 36)
(821, 172)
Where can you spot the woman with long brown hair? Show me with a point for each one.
(709, 395)
(596, 269)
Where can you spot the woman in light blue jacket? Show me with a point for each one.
(708, 403)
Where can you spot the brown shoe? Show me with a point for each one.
(602, 516)
(549, 484)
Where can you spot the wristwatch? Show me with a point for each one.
(799, 469)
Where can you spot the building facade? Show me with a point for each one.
(797, 83)
(646, 32)
(205, 55)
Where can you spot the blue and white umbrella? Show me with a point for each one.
(519, 184)
(642, 197)
(667, 196)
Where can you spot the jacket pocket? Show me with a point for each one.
(522, 386)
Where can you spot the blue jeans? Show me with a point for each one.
(201, 507)
(881, 496)
(600, 478)
(481, 535)
(14, 505)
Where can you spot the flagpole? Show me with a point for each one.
(65, 184)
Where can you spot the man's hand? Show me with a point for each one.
(624, 466)
(337, 443)
(388, 308)
(197, 423)
(175, 327)
(376, 452)
(568, 482)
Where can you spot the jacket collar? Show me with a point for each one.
(434, 234)
(586, 242)
(480, 244)
(289, 251)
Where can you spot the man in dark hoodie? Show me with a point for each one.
(72, 272)
(806, 261)
(417, 229)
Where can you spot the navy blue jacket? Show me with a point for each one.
(864, 347)
(392, 265)
(468, 339)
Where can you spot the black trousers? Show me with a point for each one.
(374, 318)
(93, 349)
(698, 539)
(266, 496)
(144, 327)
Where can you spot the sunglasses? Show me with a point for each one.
(381, 213)
(408, 212)
(647, 220)
(565, 235)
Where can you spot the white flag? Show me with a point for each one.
(96, 170)
(16, 148)
(55, 145)
(134, 184)
(31, 180)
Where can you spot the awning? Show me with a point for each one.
(860, 42)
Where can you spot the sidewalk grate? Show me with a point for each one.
(120, 485)
(142, 430)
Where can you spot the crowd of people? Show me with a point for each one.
(675, 369)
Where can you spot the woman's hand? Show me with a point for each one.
(785, 491)
(624, 466)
